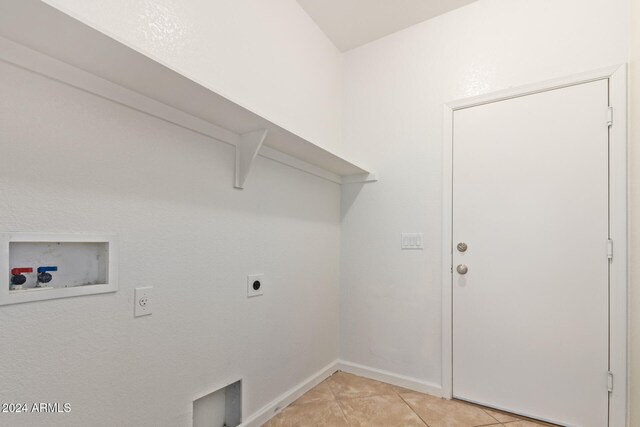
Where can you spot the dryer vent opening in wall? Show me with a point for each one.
(221, 408)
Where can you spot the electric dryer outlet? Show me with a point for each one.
(255, 285)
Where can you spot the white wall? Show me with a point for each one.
(634, 18)
(394, 94)
(168, 194)
(268, 56)
(73, 162)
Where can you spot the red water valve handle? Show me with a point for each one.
(16, 271)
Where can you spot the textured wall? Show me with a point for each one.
(634, 163)
(74, 162)
(167, 192)
(391, 299)
(268, 56)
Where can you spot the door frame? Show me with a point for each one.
(618, 217)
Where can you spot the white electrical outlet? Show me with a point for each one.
(255, 285)
(142, 301)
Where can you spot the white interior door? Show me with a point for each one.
(530, 200)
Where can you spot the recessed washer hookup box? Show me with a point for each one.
(41, 266)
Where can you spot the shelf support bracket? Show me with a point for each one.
(246, 151)
(361, 178)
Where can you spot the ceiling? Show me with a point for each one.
(352, 23)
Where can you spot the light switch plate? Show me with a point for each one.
(251, 285)
(142, 301)
(412, 241)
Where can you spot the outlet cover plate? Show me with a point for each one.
(251, 279)
(142, 301)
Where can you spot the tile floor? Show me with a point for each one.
(352, 401)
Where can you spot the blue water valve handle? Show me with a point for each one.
(43, 274)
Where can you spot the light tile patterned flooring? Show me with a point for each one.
(346, 400)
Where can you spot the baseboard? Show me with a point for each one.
(391, 378)
(287, 398)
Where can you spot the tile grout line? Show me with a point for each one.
(338, 400)
(497, 420)
(405, 402)
(395, 391)
(496, 423)
(486, 410)
(342, 411)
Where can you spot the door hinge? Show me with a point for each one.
(610, 116)
(609, 248)
(610, 381)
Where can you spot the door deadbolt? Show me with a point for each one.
(462, 269)
(462, 247)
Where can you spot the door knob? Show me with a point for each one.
(462, 269)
